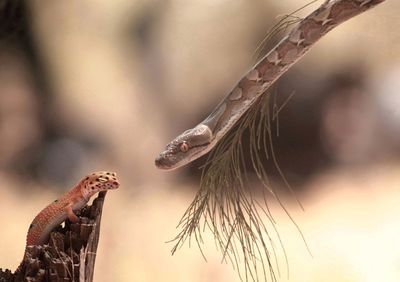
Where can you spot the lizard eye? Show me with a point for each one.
(184, 147)
(102, 179)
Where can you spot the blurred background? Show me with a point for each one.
(105, 85)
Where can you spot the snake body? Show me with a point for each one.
(195, 142)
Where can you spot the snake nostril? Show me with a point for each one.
(159, 161)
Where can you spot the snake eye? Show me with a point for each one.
(184, 147)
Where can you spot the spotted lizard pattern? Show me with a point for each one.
(66, 206)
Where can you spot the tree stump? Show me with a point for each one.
(70, 253)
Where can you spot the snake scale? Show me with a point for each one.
(197, 141)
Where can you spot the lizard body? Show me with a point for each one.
(65, 206)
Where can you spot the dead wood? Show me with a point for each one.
(70, 254)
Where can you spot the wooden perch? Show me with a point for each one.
(70, 254)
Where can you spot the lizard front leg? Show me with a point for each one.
(70, 214)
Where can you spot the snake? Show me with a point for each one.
(199, 140)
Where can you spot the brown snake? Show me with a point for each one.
(195, 142)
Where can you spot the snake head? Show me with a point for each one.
(186, 147)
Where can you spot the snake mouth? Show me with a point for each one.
(171, 159)
(167, 162)
(162, 163)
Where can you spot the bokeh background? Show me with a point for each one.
(104, 85)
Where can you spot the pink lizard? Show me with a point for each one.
(65, 206)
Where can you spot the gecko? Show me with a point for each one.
(65, 206)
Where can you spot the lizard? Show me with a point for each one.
(65, 206)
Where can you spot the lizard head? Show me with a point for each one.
(99, 181)
(185, 148)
